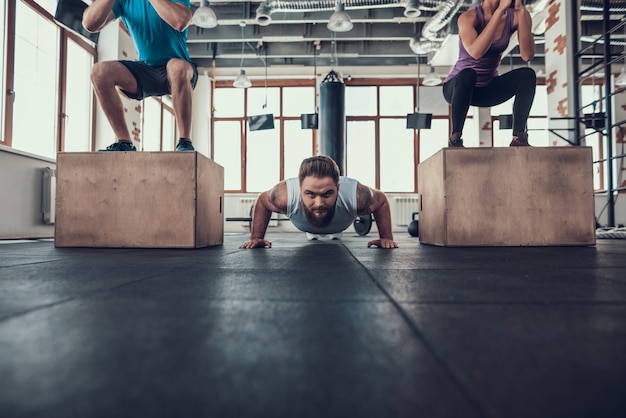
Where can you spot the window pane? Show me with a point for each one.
(589, 95)
(298, 100)
(470, 133)
(505, 108)
(228, 102)
(78, 106)
(298, 146)
(538, 134)
(431, 141)
(360, 101)
(397, 163)
(151, 140)
(396, 100)
(227, 151)
(49, 5)
(501, 137)
(36, 75)
(540, 103)
(539, 107)
(262, 100)
(360, 151)
(598, 168)
(263, 155)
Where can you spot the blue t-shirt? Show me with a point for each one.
(156, 41)
(345, 208)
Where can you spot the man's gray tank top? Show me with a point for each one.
(345, 208)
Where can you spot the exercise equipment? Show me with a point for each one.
(363, 224)
(413, 225)
(332, 124)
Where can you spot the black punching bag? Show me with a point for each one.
(332, 142)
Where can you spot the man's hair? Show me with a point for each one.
(319, 166)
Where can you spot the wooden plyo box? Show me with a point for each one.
(518, 196)
(138, 199)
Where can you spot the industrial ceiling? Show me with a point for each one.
(293, 35)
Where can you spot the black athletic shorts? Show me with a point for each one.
(152, 80)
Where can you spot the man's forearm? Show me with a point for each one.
(177, 15)
(97, 15)
(383, 221)
(260, 220)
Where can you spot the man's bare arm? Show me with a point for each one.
(273, 200)
(98, 14)
(373, 201)
(177, 15)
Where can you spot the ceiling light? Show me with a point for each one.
(204, 16)
(242, 81)
(340, 19)
(432, 78)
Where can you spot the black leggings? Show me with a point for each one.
(461, 92)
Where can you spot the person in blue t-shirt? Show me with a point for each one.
(320, 201)
(159, 30)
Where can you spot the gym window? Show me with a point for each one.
(49, 103)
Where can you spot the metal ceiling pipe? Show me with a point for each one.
(263, 14)
(441, 19)
(423, 46)
(319, 5)
(411, 9)
(617, 6)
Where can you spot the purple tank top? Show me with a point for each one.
(487, 66)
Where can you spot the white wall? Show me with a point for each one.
(21, 179)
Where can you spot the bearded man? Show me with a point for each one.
(321, 202)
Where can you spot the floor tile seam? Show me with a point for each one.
(464, 387)
(85, 295)
(300, 301)
(31, 264)
(504, 269)
(613, 281)
(546, 303)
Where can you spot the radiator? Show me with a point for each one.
(403, 209)
(48, 195)
(245, 209)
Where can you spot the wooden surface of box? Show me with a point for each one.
(514, 196)
(138, 199)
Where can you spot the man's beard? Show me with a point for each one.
(319, 219)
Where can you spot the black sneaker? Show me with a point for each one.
(455, 141)
(184, 145)
(521, 140)
(120, 146)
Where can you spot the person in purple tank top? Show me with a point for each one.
(484, 34)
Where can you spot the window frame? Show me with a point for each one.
(61, 100)
(279, 122)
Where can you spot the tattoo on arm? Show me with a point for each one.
(364, 198)
(277, 198)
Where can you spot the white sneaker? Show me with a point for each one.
(312, 237)
(315, 237)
